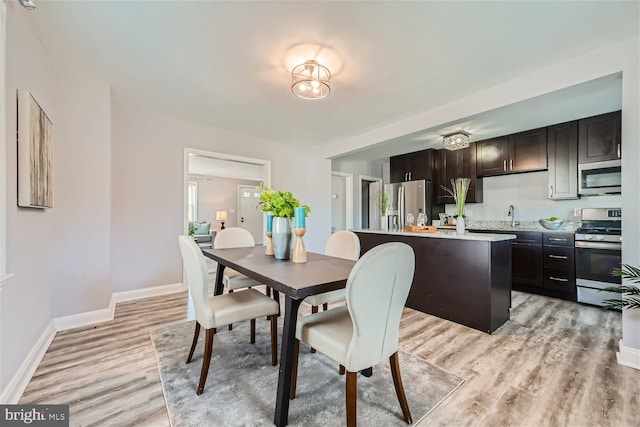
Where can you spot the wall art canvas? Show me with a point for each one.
(35, 154)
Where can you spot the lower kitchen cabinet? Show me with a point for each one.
(526, 263)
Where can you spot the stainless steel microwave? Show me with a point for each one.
(600, 178)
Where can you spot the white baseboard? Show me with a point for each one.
(149, 292)
(628, 356)
(13, 391)
(84, 319)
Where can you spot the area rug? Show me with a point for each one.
(241, 386)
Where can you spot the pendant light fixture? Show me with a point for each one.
(456, 141)
(310, 80)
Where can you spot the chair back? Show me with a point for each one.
(376, 292)
(197, 273)
(233, 237)
(343, 244)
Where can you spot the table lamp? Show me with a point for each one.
(222, 217)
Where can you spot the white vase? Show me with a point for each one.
(384, 223)
(460, 225)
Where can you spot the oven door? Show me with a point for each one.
(596, 261)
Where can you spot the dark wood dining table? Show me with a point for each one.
(295, 281)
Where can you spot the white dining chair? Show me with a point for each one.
(341, 244)
(365, 331)
(221, 310)
(235, 237)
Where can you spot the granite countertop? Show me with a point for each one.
(567, 227)
(446, 234)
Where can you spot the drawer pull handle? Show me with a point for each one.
(558, 279)
(511, 164)
(504, 165)
(555, 239)
(558, 256)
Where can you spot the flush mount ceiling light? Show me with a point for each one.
(456, 141)
(27, 4)
(310, 80)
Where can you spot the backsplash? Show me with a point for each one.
(527, 192)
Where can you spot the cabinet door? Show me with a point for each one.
(399, 168)
(528, 151)
(599, 138)
(467, 168)
(421, 165)
(492, 156)
(449, 167)
(562, 146)
(526, 264)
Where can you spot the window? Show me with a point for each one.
(193, 201)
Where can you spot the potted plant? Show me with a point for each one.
(382, 202)
(458, 191)
(630, 293)
(281, 205)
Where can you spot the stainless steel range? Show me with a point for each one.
(598, 250)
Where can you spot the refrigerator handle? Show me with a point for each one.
(401, 208)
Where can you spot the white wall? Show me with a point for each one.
(527, 192)
(220, 194)
(60, 256)
(147, 190)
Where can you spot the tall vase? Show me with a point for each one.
(384, 223)
(281, 236)
(460, 225)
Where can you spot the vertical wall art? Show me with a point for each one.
(35, 154)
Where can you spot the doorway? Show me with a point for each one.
(341, 201)
(367, 207)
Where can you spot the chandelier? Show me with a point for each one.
(310, 80)
(456, 141)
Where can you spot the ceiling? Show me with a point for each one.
(228, 64)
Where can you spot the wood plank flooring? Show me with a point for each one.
(553, 364)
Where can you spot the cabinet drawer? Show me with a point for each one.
(529, 237)
(559, 257)
(559, 280)
(559, 239)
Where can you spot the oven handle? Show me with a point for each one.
(595, 245)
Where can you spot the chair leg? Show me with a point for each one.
(274, 340)
(325, 306)
(252, 329)
(206, 360)
(294, 371)
(230, 325)
(196, 334)
(352, 398)
(341, 371)
(397, 383)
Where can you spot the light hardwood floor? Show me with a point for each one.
(552, 364)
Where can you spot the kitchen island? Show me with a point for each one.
(463, 278)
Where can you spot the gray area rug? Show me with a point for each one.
(241, 386)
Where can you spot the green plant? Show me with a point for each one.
(630, 293)
(382, 200)
(280, 203)
(458, 190)
(192, 230)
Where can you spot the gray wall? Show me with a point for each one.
(219, 194)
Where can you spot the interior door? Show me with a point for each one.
(249, 216)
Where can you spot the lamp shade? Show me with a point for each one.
(221, 215)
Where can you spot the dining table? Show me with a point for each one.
(295, 281)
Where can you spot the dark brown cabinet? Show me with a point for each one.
(599, 138)
(526, 259)
(520, 152)
(459, 164)
(559, 264)
(412, 166)
(562, 148)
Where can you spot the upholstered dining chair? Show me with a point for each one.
(235, 237)
(341, 244)
(221, 310)
(366, 330)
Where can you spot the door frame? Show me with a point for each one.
(362, 178)
(348, 197)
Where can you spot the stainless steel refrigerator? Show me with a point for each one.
(408, 197)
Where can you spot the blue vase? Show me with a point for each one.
(281, 236)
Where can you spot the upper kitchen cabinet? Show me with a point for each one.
(520, 152)
(562, 145)
(599, 138)
(459, 164)
(412, 166)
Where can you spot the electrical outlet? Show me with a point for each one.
(468, 213)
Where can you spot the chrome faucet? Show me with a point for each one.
(512, 214)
